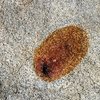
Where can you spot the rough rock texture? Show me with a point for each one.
(23, 25)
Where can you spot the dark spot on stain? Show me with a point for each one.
(45, 69)
(60, 52)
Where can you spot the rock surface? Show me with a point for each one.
(23, 26)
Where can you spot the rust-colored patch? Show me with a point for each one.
(60, 52)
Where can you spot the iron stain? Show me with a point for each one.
(60, 52)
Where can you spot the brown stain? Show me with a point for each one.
(25, 2)
(60, 52)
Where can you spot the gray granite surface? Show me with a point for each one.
(23, 25)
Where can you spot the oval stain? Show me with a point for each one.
(60, 52)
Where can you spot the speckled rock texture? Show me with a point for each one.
(23, 26)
